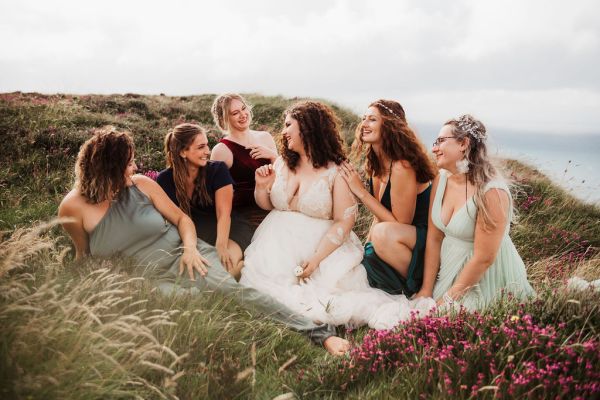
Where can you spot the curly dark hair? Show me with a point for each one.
(399, 142)
(176, 140)
(101, 164)
(319, 130)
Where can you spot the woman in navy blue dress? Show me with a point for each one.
(203, 189)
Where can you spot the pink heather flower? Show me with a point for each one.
(151, 174)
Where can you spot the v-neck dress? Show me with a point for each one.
(507, 272)
(133, 227)
(383, 276)
(338, 291)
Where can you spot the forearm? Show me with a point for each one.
(223, 228)
(187, 232)
(431, 265)
(333, 239)
(377, 209)
(263, 198)
(470, 276)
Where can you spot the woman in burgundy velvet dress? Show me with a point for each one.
(243, 150)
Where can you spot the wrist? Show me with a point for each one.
(361, 194)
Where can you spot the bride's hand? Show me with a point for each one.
(309, 267)
(352, 177)
(264, 176)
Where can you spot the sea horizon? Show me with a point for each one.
(570, 160)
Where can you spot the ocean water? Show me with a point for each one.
(571, 161)
(577, 172)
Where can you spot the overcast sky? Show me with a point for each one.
(520, 65)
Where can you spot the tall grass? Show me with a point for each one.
(94, 330)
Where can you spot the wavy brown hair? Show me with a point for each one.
(220, 109)
(481, 170)
(399, 142)
(101, 164)
(178, 139)
(319, 130)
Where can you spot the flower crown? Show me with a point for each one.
(472, 127)
(387, 109)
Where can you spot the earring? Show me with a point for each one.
(462, 166)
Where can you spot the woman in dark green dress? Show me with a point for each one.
(111, 211)
(400, 174)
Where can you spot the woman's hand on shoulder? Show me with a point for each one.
(352, 178)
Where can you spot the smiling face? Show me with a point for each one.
(239, 116)
(370, 128)
(291, 134)
(447, 149)
(197, 153)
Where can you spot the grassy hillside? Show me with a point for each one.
(89, 330)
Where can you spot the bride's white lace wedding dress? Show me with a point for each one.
(338, 291)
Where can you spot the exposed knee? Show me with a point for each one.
(389, 234)
(378, 236)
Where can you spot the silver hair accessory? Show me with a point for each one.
(468, 124)
(388, 109)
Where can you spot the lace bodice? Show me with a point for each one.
(317, 199)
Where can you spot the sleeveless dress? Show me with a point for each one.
(380, 274)
(242, 171)
(205, 217)
(338, 292)
(506, 272)
(133, 227)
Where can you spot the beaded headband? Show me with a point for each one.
(388, 109)
(469, 125)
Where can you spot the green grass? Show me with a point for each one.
(91, 330)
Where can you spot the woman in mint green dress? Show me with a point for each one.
(111, 212)
(468, 247)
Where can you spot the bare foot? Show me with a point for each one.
(336, 346)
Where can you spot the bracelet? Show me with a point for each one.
(263, 190)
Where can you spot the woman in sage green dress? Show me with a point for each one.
(400, 174)
(113, 212)
(468, 247)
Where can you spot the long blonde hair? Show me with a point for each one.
(220, 109)
(481, 170)
(178, 139)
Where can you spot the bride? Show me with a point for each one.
(304, 253)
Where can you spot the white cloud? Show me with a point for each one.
(521, 65)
